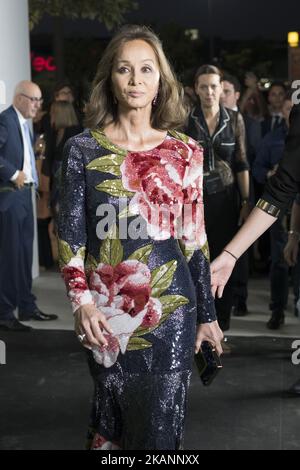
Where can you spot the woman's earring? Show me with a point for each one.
(154, 102)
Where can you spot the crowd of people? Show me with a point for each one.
(213, 148)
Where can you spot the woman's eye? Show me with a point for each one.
(123, 70)
(146, 69)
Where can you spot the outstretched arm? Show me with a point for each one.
(221, 268)
(280, 190)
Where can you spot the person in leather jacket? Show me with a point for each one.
(221, 133)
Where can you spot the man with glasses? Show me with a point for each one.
(17, 177)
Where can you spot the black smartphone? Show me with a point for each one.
(208, 363)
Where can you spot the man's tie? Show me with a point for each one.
(276, 121)
(32, 157)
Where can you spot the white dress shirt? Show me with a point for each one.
(27, 161)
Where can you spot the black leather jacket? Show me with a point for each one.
(228, 143)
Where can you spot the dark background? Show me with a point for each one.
(236, 35)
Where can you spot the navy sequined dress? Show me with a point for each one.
(150, 277)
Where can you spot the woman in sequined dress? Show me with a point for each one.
(141, 296)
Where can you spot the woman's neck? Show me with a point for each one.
(133, 129)
(212, 112)
(211, 116)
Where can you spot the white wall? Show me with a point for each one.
(14, 58)
(14, 47)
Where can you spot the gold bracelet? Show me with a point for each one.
(268, 208)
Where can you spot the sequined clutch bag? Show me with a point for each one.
(208, 363)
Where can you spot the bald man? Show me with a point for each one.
(17, 178)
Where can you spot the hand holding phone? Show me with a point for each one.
(208, 363)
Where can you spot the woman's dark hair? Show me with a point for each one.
(208, 69)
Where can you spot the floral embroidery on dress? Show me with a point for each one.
(126, 291)
(100, 443)
(165, 186)
(160, 184)
(123, 294)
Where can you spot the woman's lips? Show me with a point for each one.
(135, 94)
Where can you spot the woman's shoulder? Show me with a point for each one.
(182, 137)
(83, 140)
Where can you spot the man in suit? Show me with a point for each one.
(17, 177)
(275, 119)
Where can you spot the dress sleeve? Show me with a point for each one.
(241, 162)
(72, 231)
(194, 244)
(282, 188)
(198, 264)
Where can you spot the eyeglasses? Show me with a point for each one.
(33, 99)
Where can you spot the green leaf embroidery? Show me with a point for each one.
(172, 302)
(101, 138)
(179, 135)
(114, 188)
(81, 252)
(66, 253)
(205, 251)
(169, 304)
(136, 344)
(187, 251)
(111, 250)
(142, 254)
(126, 213)
(91, 263)
(108, 164)
(161, 278)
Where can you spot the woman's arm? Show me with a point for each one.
(241, 167)
(72, 232)
(197, 255)
(221, 268)
(280, 190)
(291, 249)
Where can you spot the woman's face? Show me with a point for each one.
(209, 89)
(135, 75)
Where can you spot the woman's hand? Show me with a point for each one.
(210, 332)
(221, 269)
(291, 250)
(90, 323)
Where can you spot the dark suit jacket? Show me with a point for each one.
(266, 125)
(11, 155)
(282, 188)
